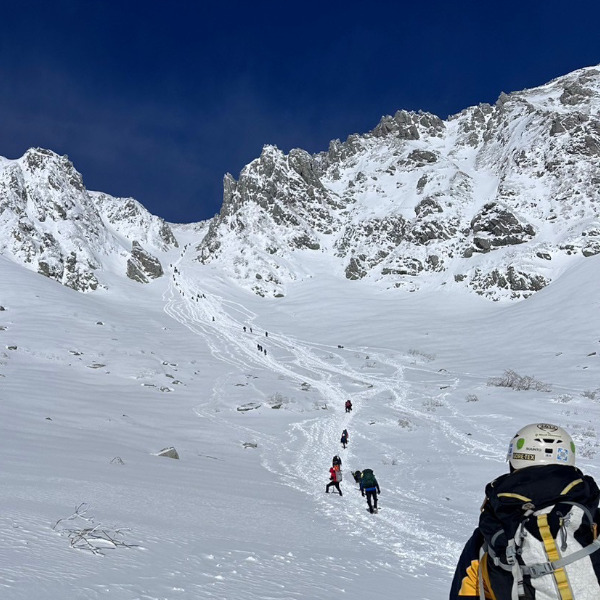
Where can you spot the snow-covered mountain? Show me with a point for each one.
(51, 224)
(497, 198)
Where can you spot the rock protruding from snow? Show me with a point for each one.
(169, 452)
(142, 266)
(128, 218)
(282, 195)
(49, 222)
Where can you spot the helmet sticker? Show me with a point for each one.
(523, 456)
(562, 454)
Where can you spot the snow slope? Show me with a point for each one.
(90, 381)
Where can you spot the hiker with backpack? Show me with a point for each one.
(348, 406)
(536, 537)
(335, 477)
(344, 438)
(369, 487)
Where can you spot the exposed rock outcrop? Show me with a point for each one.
(495, 225)
(142, 266)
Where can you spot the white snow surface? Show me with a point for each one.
(94, 386)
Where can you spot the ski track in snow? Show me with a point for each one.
(304, 456)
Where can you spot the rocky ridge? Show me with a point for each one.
(498, 199)
(495, 198)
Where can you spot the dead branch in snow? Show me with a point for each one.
(84, 534)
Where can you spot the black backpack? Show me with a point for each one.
(337, 461)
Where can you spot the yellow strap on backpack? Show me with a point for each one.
(560, 575)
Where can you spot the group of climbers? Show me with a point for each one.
(259, 347)
(368, 484)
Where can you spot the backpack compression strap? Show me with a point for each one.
(480, 574)
(483, 576)
(546, 568)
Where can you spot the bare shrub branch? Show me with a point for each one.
(425, 356)
(84, 534)
(513, 380)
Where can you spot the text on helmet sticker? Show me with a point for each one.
(523, 456)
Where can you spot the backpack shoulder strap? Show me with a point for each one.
(482, 560)
(511, 565)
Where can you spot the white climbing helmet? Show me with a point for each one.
(541, 444)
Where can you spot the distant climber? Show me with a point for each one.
(244, 329)
(370, 487)
(344, 438)
(335, 477)
(348, 406)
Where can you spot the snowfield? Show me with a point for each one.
(94, 386)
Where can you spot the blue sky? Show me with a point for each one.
(158, 100)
